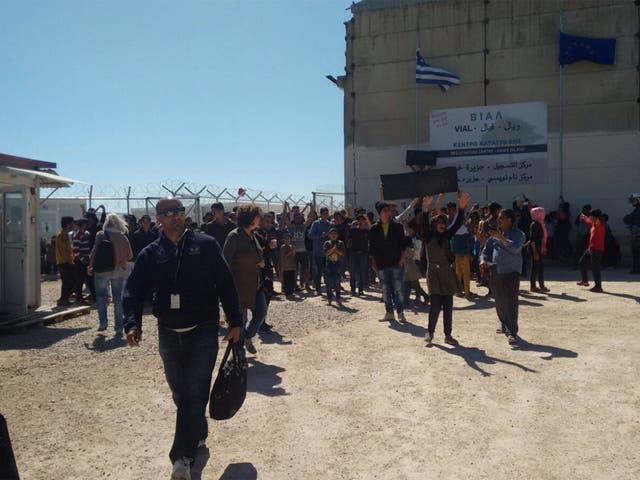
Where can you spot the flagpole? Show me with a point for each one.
(417, 98)
(561, 119)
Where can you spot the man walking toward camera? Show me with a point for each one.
(189, 277)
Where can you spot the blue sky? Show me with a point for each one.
(126, 92)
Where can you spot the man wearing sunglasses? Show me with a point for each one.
(188, 277)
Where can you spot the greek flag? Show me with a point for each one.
(435, 76)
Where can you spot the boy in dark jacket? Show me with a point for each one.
(387, 245)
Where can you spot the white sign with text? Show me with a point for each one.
(493, 145)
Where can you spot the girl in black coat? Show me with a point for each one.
(441, 276)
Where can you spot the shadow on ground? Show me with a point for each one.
(38, 338)
(239, 471)
(475, 356)
(408, 327)
(273, 338)
(553, 352)
(264, 379)
(103, 344)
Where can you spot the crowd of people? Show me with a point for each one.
(314, 252)
(238, 258)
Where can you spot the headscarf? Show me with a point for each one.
(538, 214)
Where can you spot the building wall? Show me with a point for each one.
(511, 57)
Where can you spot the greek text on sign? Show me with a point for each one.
(493, 145)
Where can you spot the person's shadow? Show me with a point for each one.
(263, 378)
(475, 356)
(564, 296)
(272, 337)
(554, 352)
(623, 295)
(102, 344)
(239, 471)
(408, 327)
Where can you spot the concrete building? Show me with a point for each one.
(505, 51)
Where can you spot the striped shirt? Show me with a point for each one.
(82, 244)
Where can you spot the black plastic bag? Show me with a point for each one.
(8, 468)
(230, 388)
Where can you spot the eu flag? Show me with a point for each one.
(598, 50)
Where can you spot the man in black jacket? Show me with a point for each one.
(189, 277)
(220, 226)
(387, 245)
(143, 236)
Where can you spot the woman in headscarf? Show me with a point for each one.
(538, 246)
(113, 273)
(441, 275)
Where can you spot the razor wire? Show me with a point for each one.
(139, 199)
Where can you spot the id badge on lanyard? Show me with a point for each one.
(175, 301)
(174, 298)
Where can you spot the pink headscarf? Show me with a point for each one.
(538, 214)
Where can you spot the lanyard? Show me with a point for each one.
(180, 247)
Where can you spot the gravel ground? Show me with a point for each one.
(337, 394)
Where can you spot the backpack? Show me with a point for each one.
(104, 260)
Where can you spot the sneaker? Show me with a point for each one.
(402, 318)
(428, 338)
(583, 284)
(451, 341)
(534, 289)
(596, 290)
(501, 330)
(251, 348)
(339, 303)
(389, 317)
(512, 339)
(102, 329)
(181, 469)
(544, 290)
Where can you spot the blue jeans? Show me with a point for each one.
(189, 358)
(319, 264)
(258, 314)
(333, 277)
(359, 271)
(392, 285)
(116, 279)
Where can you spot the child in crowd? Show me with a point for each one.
(461, 249)
(441, 277)
(412, 272)
(334, 250)
(537, 244)
(592, 257)
(288, 265)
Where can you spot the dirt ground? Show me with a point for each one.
(338, 394)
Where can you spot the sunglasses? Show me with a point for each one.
(172, 212)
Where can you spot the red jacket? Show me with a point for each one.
(596, 236)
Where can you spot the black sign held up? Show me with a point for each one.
(415, 184)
